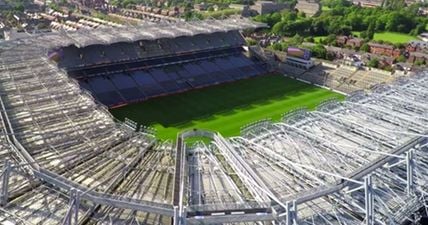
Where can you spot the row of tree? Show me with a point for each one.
(343, 18)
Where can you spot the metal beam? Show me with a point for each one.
(5, 183)
(104, 199)
(368, 193)
(359, 174)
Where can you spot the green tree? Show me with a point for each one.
(301, 14)
(250, 41)
(419, 63)
(190, 15)
(278, 27)
(276, 46)
(344, 17)
(310, 39)
(319, 51)
(419, 29)
(296, 40)
(19, 7)
(399, 45)
(395, 4)
(374, 62)
(401, 58)
(329, 40)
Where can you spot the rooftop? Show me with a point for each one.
(376, 45)
(109, 35)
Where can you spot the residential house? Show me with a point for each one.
(355, 42)
(382, 49)
(418, 57)
(417, 46)
(157, 11)
(341, 40)
(383, 59)
(349, 41)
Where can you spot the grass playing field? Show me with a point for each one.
(318, 39)
(392, 37)
(225, 108)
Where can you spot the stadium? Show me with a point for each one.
(67, 160)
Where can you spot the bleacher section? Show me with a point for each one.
(134, 86)
(366, 78)
(122, 73)
(344, 78)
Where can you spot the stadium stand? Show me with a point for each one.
(345, 79)
(367, 78)
(171, 65)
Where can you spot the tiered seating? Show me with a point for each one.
(359, 79)
(291, 70)
(167, 82)
(379, 77)
(345, 79)
(228, 67)
(195, 75)
(127, 87)
(139, 85)
(316, 78)
(341, 79)
(369, 78)
(105, 91)
(317, 75)
(174, 72)
(128, 72)
(147, 83)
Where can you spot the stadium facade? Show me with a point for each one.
(68, 161)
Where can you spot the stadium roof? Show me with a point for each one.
(109, 35)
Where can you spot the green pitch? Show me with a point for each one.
(225, 108)
(392, 37)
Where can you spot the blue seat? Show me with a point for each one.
(149, 85)
(100, 84)
(127, 87)
(159, 75)
(209, 66)
(109, 98)
(85, 85)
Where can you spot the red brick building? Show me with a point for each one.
(355, 42)
(341, 40)
(349, 41)
(380, 49)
